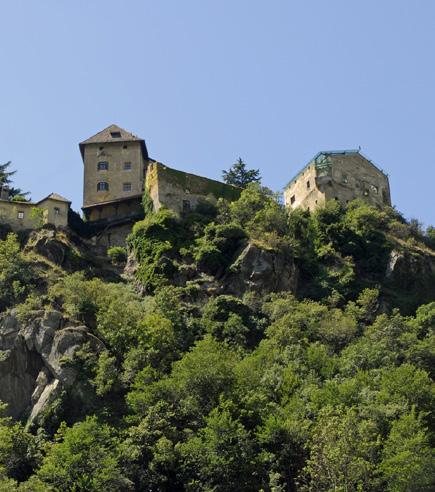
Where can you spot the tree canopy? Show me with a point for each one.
(327, 386)
(6, 180)
(239, 175)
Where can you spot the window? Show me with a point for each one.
(186, 206)
(103, 166)
(127, 166)
(374, 188)
(124, 147)
(344, 179)
(115, 134)
(292, 199)
(102, 186)
(20, 215)
(56, 211)
(126, 187)
(308, 185)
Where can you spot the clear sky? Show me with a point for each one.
(207, 81)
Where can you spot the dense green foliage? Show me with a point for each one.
(238, 175)
(6, 180)
(329, 388)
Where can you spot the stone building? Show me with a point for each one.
(115, 163)
(53, 209)
(338, 175)
(182, 192)
(117, 169)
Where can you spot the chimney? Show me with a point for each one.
(4, 193)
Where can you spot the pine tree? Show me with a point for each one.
(238, 175)
(5, 180)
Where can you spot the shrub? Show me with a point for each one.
(117, 254)
(155, 242)
(215, 250)
(15, 272)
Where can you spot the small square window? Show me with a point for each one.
(126, 187)
(56, 211)
(102, 186)
(103, 166)
(127, 166)
(20, 215)
(292, 199)
(115, 134)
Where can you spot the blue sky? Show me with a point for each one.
(204, 82)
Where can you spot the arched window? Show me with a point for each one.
(103, 166)
(102, 186)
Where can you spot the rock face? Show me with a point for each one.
(410, 274)
(405, 267)
(261, 270)
(32, 361)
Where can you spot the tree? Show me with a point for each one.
(84, 458)
(18, 449)
(221, 457)
(238, 175)
(342, 449)
(5, 180)
(15, 272)
(407, 463)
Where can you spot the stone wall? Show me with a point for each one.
(303, 191)
(353, 177)
(342, 176)
(181, 192)
(113, 235)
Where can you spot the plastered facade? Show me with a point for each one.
(125, 173)
(25, 215)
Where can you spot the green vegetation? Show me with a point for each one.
(203, 186)
(327, 388)
(6, 180)
(239, 176)
(117, 254)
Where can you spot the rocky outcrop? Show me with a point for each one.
(33, 356)
(410, 278)
(408, 266)
(261, 270)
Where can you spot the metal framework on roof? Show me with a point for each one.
(325, 153)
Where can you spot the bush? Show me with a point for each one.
(215, 250)
(84, 458)
(15, 273)
(117, 254)
(155, 242)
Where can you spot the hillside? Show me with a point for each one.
(238, 348)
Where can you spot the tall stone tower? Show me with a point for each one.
(115, 164)
(342, 175)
